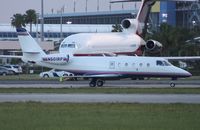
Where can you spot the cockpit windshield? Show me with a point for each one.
(64, 45)
(162, 63)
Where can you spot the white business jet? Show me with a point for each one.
(98, 68)
(128, 42)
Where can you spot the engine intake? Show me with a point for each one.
(153, 46)
(129, 24)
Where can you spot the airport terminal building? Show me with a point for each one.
(183, 13)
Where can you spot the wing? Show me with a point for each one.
(95, 76)
(183, 58)
(10, 56)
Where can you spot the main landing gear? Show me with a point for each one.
(96, 82)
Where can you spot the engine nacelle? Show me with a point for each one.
(57, 59)
(153, 46)
(130, 24)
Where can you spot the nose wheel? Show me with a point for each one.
(172, 84)
(96, 82)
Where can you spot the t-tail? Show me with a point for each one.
(33, 53)
(143, 16)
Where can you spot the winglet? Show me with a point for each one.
(21, 31)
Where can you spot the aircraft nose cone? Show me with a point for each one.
(186, 73)
(189, 74)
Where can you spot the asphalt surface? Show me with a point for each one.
(102, 98)
(99, 98)
(114, 84)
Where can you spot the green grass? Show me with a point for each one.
(32, 116)
(103, 90)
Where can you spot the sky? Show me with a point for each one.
(10, 7)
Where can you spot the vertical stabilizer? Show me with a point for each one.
(32, 52)
(27, 43)
(143, 16)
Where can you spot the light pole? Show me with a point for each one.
(110, 6)
(74, 6)
(86, 6)
(42, 21)
(37, 17)
(97, 5)
(61, 19)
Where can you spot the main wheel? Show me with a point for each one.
(92, 84)
(100, 83)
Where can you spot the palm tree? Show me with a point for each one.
(18, 20)
(117, 28)
(30, 17)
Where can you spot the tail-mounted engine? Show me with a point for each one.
(153, 46)
(56, 59)
(130, 24)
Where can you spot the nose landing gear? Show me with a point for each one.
(172, 84)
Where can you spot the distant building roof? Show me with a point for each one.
(72, 28)
(93, 13)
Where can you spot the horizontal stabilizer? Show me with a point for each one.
(10, 56)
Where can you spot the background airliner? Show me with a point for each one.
(98, 68)
(128, 42)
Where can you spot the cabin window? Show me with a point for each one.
(119, 64)
(112, 65)
(140, 64)
(148, 64)
(159, 63)
(126, 64)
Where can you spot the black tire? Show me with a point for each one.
(92, 84)
(70, 74)
(100, 83)
(172, 85)
(45, 76)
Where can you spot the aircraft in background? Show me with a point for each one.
(128, 42)
(98, 68)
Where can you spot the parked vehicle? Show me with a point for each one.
(55, 73)
(15, 68)
(4, 71)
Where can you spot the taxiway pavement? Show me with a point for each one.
(102, 98)
(113, 84)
